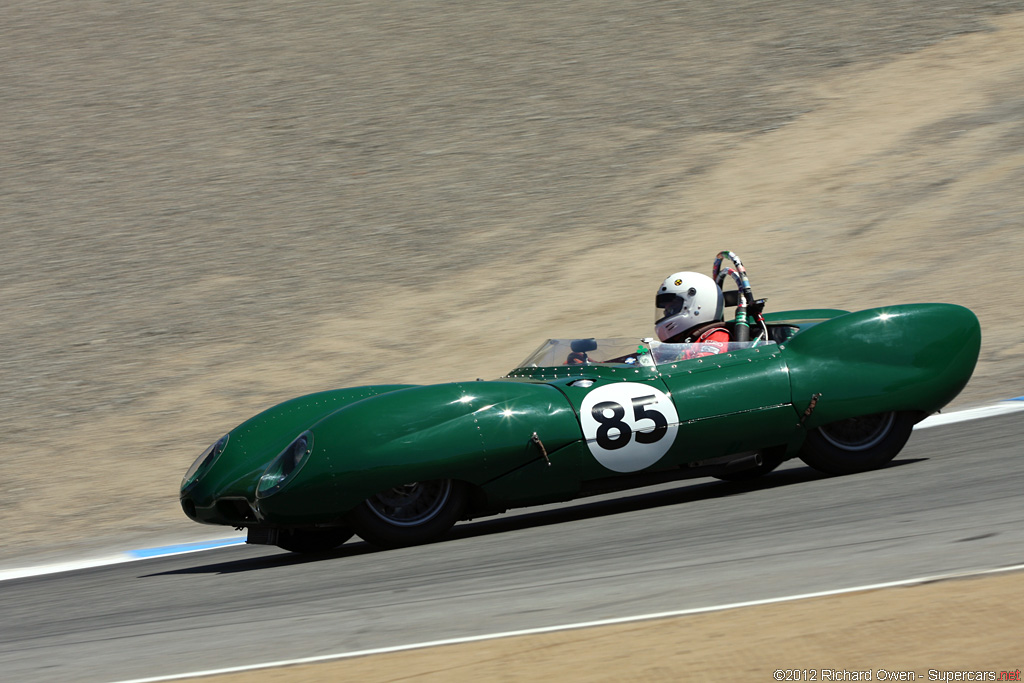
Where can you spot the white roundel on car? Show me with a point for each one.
(628, 426)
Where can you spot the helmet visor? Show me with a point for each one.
(667, 305)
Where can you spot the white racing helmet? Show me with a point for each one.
(684, 301)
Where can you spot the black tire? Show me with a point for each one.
(770, 459)
(313, 540)
(857, 444)
(411, 514)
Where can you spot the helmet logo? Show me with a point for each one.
(678, 282)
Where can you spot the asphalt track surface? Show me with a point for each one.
(950, 502)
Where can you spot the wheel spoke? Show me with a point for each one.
(858, 433)
(412, 504)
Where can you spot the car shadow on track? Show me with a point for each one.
(271, 558)
(607, 504)
(680, 493)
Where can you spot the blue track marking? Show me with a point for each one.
(183, 548)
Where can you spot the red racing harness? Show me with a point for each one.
(711, 341)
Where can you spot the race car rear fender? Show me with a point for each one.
(914, 357)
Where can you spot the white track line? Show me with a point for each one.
(1000, 408)
(119, 558)
(571, 627)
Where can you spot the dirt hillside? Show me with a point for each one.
(209, 207)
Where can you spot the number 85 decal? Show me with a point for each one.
(628, 426)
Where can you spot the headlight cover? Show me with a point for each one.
(203, 463)
(286, 465)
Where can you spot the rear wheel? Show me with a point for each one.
(313, 540)
(418, 512)
(857, 444)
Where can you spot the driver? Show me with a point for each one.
(689, 310)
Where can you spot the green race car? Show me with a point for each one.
(399, 464)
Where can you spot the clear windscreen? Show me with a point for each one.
(624, 351)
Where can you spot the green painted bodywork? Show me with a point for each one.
(255, 442)
(911, 357)
(475, 432)
(367, 439)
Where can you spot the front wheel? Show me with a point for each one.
(410, 514)
(857, 444)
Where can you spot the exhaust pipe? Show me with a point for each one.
(744, 463)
